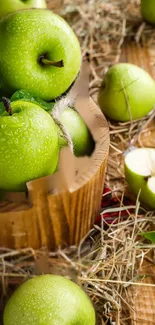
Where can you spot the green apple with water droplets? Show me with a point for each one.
(39, 53)
(8, 6)
(28, 145)
(126, 93)
(49, 300)
(140, 174)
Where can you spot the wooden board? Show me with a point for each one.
(142, 298)
(139, 55)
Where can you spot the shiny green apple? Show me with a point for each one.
(49, 300)
(81, 137)
(39, 53)
(140, 174)
(148, 10)
(8, 6)
(28, 145)
(126, 93)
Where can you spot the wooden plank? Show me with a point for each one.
(139, 55)
(142, 298)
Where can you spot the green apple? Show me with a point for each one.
(148, 10)
(126, 93)
(81, 137)
(8, 6)
(49, 300)
(39, 53)
(140, 174)
(28, 145)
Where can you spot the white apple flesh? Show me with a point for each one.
(139, 168)
(8, 6)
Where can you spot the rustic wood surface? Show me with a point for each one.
(60, 209)
(139, 55)
(142, 298)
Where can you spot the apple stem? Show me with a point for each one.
(7, 105)
(146, 178)
(44, 61)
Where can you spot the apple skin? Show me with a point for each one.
(8, 6)
(148, 10)
(81, 137)
(49, 300)
(139, 92)
(25, 36)
(28, 146)
(138, 182)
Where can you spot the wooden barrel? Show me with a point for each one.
(60, 209)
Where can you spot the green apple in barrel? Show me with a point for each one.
(148, 10)
(81, 137)
(39, 53)
(8, 6)
(49, 300)
(126, 93)
(28, 145)
(140, 174)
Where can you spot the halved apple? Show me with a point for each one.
(139, 168)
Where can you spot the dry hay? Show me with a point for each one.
(106, 263)
(109, 259)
